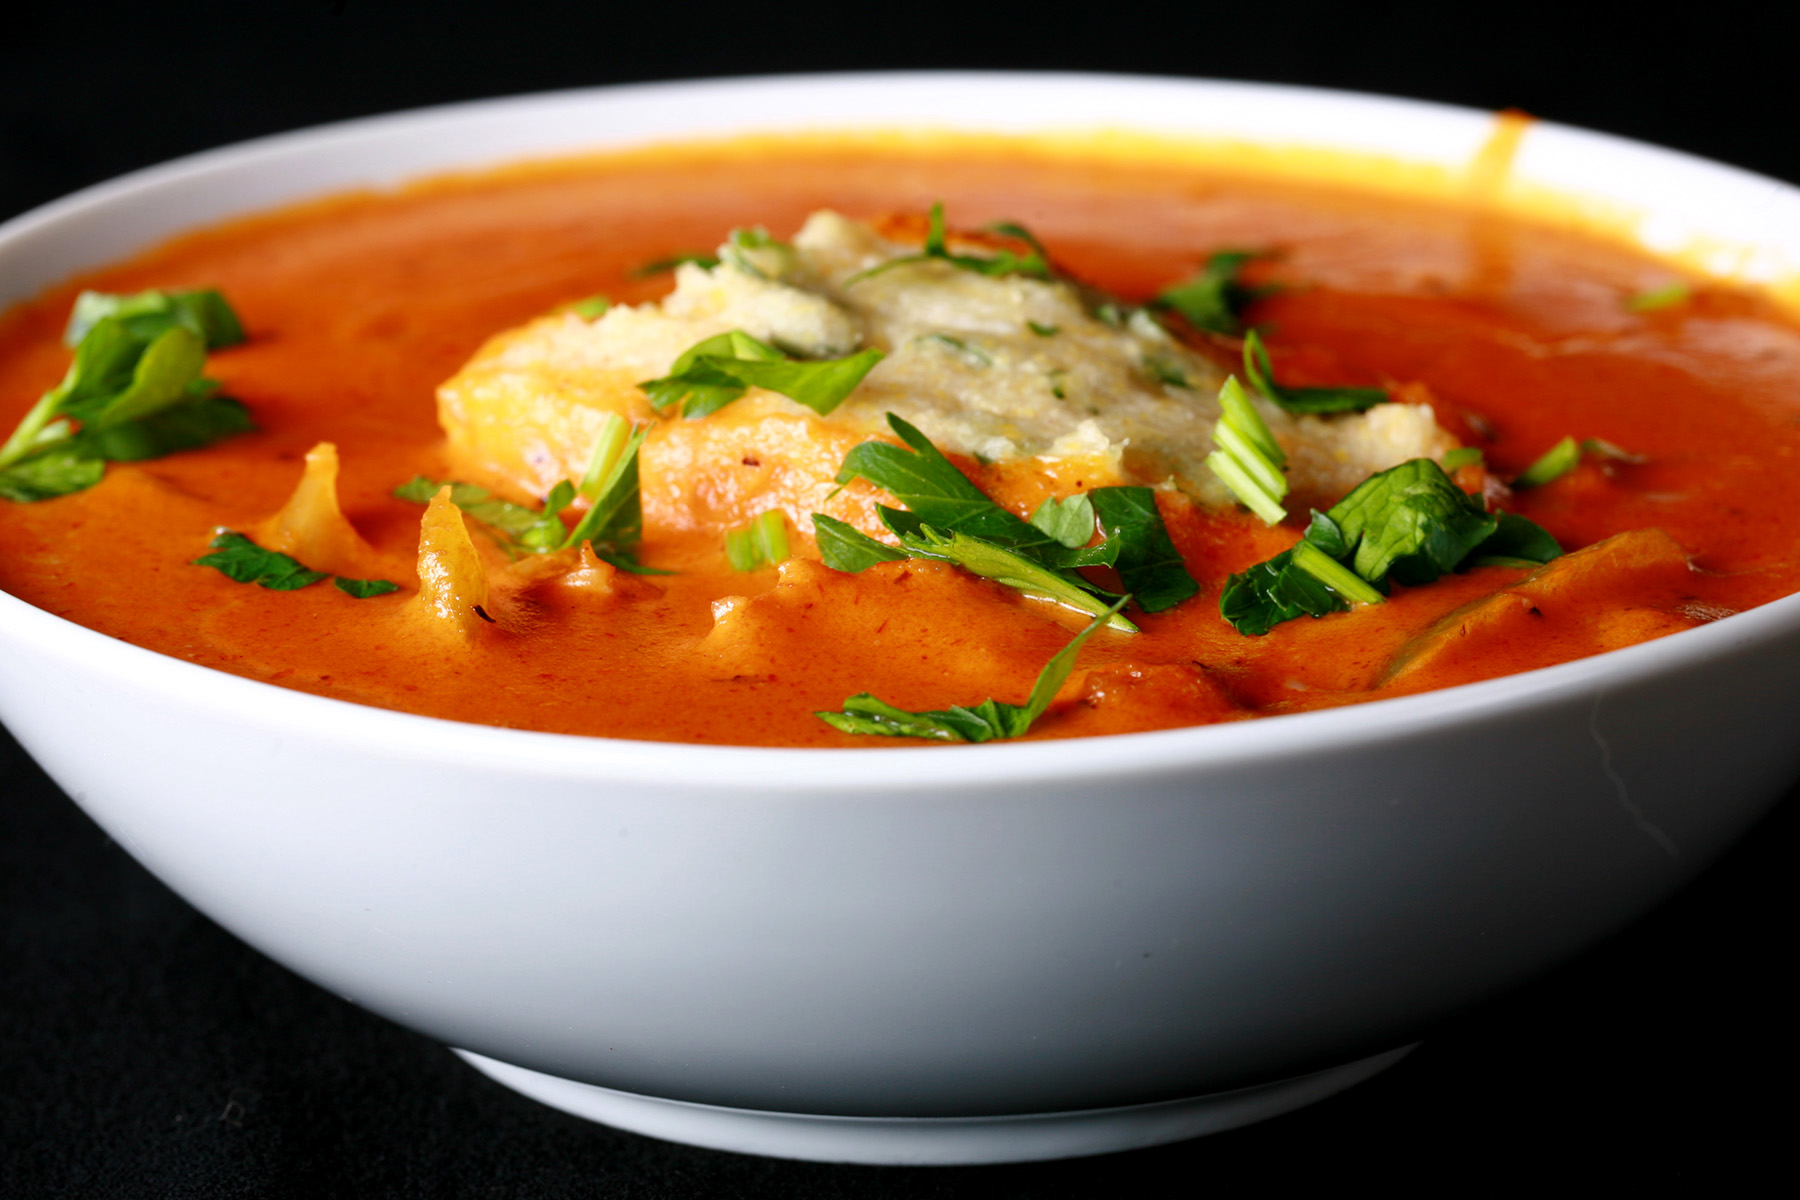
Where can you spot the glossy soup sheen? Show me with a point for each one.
(357, 308)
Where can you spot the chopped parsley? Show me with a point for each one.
(968, 351)
(362, 589)
(713, 373)
(242, 560)
(948, 518)
(985, 722)
(238, 558)
(1409, 523)
(612, 525)
(134, 391)
(1034, 263)
(1302, 400)
(1214, 299)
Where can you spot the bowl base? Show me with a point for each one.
(932, 1141)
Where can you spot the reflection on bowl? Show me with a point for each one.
(1007, 951)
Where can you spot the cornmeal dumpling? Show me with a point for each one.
(1030, 375)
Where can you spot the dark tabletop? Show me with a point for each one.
(144, 1052)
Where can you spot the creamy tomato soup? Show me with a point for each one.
(437, 335)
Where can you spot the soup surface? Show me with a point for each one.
(357, 309)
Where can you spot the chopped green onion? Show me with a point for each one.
(1249, 460)
(762, 542)
(1462, 456)
(1334, 575)
(1556, 462)
(1667, 296)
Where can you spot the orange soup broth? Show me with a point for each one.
(358, 307)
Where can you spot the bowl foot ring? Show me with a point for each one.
(940, 1141)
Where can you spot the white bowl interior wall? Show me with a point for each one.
(906, 933)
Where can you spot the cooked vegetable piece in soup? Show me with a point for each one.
(887, 443)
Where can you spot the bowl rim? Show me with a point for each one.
(759, 769)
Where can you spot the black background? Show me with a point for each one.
(143, 1052)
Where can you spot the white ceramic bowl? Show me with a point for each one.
(996, 952)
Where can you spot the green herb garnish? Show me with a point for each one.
(1147, 561)
(1165, 370)
(591, 307)
(1248, 461)
(1312, 400)
(1002, 262)
(238, 558)
(762, 542)
(985, 722)
(1668, 296)
(1016, 570)
(968, 351)
(757, 254)
(1409, 523)
(134, 391)
(950, 519)
(613, 523)
(1556, 462)
(661, 266)
(714, 372)
(1214, 299)
(1462, 456)
(844, 547)
(362, 589)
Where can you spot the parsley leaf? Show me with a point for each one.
(1412, 522)
(844, 547)
(1035, 263)
(949, 518)
(934, 491)
(519, 524)
(240, 559)
(1069, 522)
(1148, 563)
(712, 373)
(1018, 571)
(1215, 298)
(362, 589)
(55, 472)
(612, 525)
(985, 722)
(1409, 523)
(148, 314)
(134, 387)
(1313, 400)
